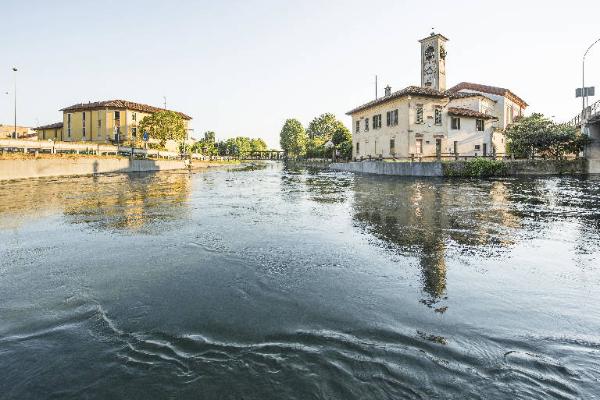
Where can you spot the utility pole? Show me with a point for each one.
(15, 134)
(376, 94)
(583, 91)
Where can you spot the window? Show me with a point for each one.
(357, 126)
(392, 146)
(455, 123)
(357, 147)
(419, 114)
(419, 147)
(133, 132)
(99, 123)
(392, 118)
(134, 116)
(480, 125)
(509, 115)
(366, 124)
(68, 125)
(118, 115)
(438, 115)
(377, 121)
(83, 124)
(477, 147)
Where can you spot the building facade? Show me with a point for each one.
(430, 120)
(103, 121)
(50, 132)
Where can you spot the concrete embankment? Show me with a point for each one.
(46, 167)
(459, 168)
(391, 168)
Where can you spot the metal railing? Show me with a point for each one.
(585, 115)
(436, 157)
(33, 146)
(50, 147)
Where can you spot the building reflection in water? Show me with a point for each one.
(433, 220)
(135, 203)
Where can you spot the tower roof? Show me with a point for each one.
(433, 35)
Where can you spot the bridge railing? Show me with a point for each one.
(585, 114)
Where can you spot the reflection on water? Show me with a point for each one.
(134, 203)
(271, 283)
(430, 218)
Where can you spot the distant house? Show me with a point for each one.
(51, 131)
(468, 119)
(7, 131)
(101, 121)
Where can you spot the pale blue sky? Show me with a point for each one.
(243, 67)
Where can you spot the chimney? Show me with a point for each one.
(388, 91)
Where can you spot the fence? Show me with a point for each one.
(49, 147)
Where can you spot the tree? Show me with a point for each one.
(258, 145)
(342, 138)
(323, 126)
(293, 138)
(537, 134)
(164, 125)
(341, 135)
(315, 147)
(209, 136)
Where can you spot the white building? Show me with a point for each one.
(429, 120)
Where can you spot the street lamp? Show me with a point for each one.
(583, 94)
(15, 71)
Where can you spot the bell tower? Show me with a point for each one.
(433, 62)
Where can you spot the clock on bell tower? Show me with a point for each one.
(433, 62)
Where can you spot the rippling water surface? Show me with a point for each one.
(275, 283)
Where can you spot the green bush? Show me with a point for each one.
(477, 168)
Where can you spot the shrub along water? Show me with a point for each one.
(476, 168)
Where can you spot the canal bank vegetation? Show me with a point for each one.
(537, 136)
(325, 137)
(475, 168)
(237, 146)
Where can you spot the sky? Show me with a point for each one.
(242, 67)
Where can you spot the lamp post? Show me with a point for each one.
(583, 94)
(15, 71)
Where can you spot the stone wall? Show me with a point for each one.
(45, 167)
(391, 168)
(454, 168)
(592, 151)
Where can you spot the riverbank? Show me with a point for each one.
(49, 166)
(473, 168)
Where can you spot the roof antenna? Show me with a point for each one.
(376, 94)
(433, 31)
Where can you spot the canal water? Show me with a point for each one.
(271, 283)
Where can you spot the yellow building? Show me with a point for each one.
(101, 121)
(52, 131)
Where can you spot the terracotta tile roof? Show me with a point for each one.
(465, 112)
(488, 89)
(119, 104)
(56, 125)
(409, 91)
(462, 95)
